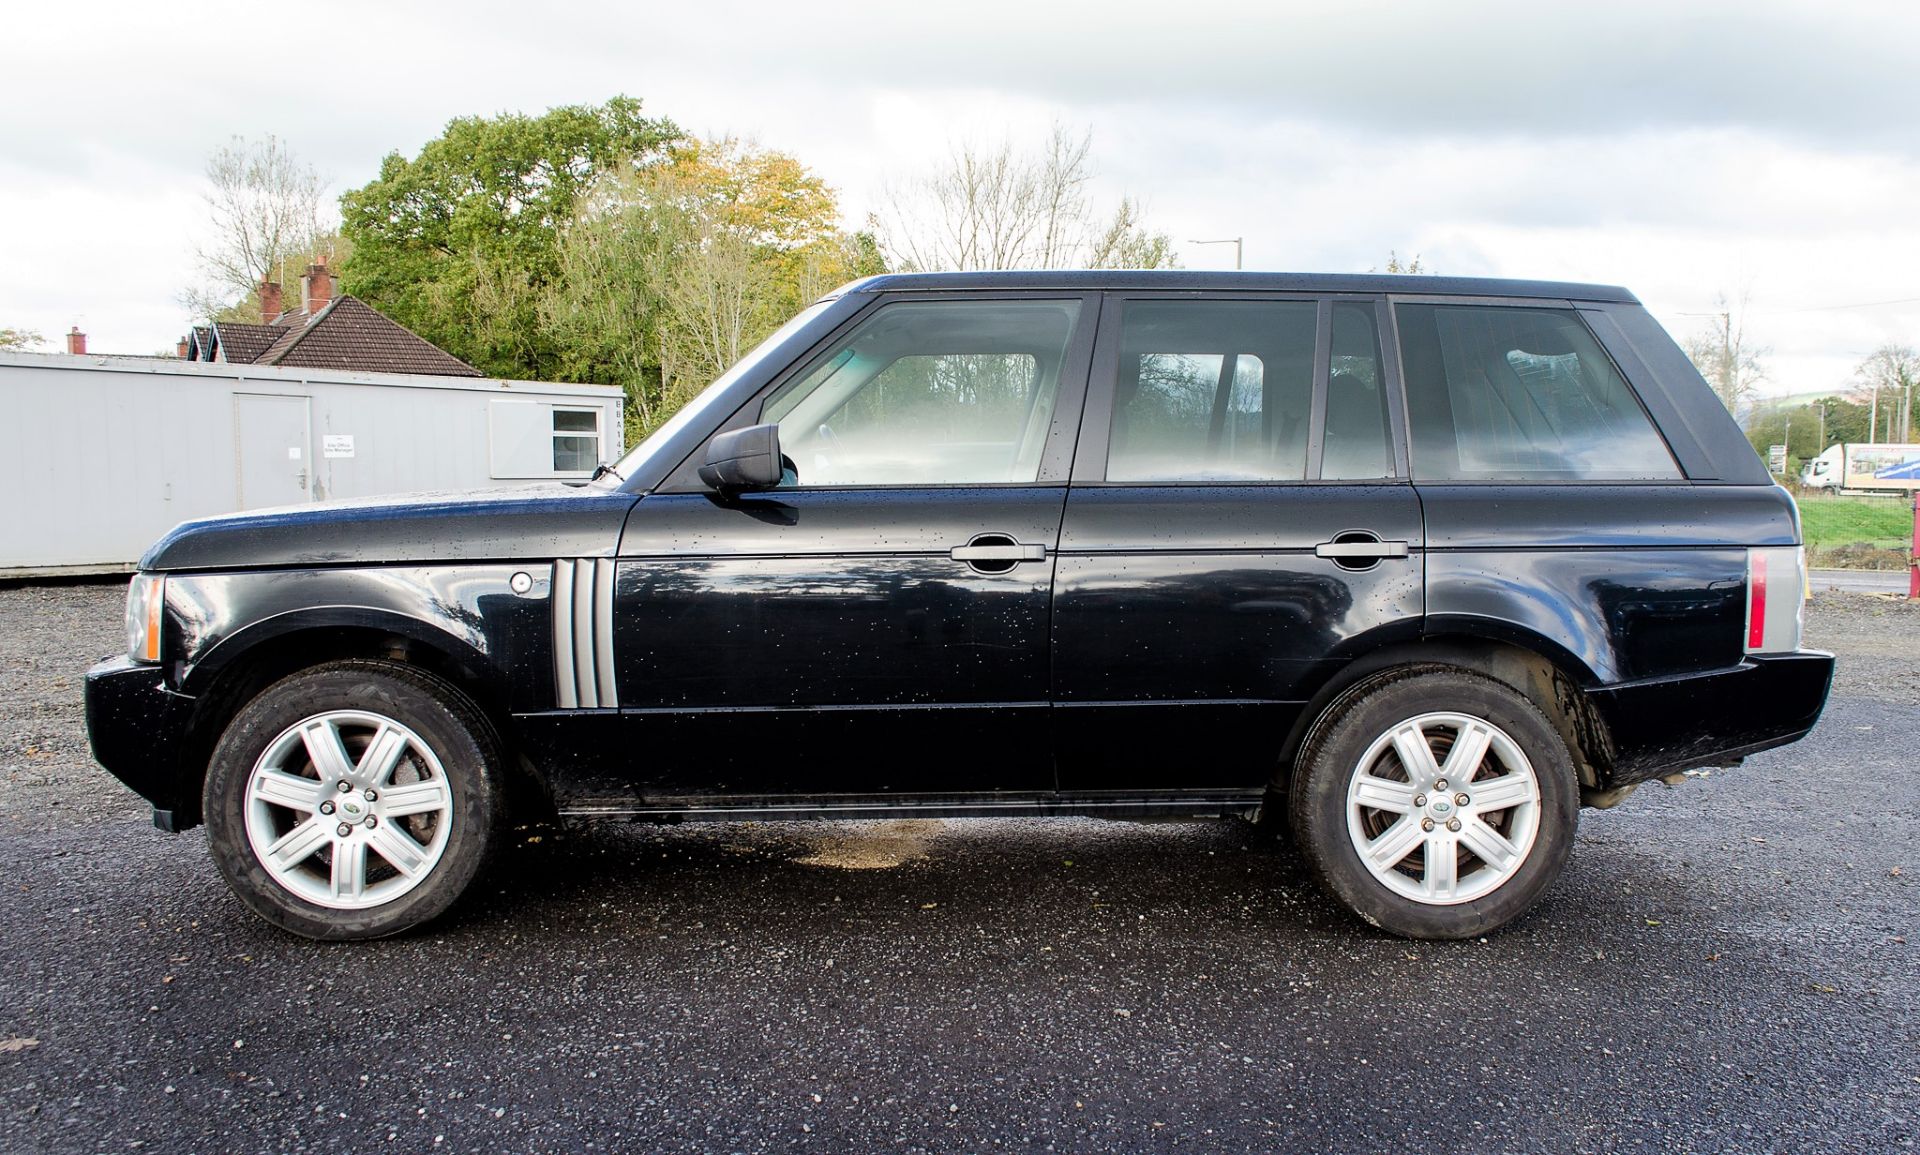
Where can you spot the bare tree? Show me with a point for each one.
(1724, 356)
(1001, 208)
(1894, 370)
(265, 211)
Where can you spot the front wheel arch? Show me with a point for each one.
(222, 688)
(421, 721)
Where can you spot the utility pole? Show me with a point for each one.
(1234, 241)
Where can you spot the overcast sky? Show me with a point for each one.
(1683, 150)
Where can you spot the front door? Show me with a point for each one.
(878, 624)
(270, 450)
(1239, 524)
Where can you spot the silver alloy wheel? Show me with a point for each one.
(1443, 808)
(348, 809)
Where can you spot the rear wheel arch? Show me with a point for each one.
(1544, 673)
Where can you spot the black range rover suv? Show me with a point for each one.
(1424, 563)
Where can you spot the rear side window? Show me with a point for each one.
(1520, 394)
(1213, 391)
(1357, 447)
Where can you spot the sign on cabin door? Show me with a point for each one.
(272, 457)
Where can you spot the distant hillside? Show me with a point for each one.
(1795, 400)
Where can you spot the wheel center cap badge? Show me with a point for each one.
(1442, 807)
(350, 807)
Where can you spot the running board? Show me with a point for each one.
(1031, 806)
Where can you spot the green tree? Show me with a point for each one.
(462, 242)
(1843, 420)
(1807, 430)
(671, 272)
(19, 340)
(1797, 427)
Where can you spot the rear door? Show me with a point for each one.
(1239, 523)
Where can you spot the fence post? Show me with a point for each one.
(1913, 558)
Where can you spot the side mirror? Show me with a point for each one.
(743, 459)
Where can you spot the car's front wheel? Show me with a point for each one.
(1435, 802)
(353, 800)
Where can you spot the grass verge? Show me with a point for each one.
(1857, 532)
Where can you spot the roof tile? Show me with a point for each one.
(243, 344)
(352, 335)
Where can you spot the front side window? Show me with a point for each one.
(929, 393)
(1212, 391)
(1509, 393)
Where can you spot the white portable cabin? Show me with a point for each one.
(100, 456)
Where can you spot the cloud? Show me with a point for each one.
(1677, 148)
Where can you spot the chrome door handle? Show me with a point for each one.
(1374, 550)
(1009, 551)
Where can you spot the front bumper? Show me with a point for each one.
(137, 729)
(1663, 725)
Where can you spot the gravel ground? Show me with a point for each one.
(49, 635)
(1878, 640)
(1725, 966)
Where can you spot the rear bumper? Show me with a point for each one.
(1663, 725)
(137, 727)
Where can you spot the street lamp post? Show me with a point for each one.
(1234, 241)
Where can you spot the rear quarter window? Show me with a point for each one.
(1508, 393)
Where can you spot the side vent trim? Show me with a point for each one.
(583, 634)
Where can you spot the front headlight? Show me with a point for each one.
(146, 596)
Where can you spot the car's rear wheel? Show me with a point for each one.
(353, 800)
(1435, 802)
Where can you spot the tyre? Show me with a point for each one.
(1434, 802)
(353, 800)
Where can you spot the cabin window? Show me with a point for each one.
(534, 439)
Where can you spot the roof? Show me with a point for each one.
(348, 334)
(184, 374)
(243, 343)
(1195, 279)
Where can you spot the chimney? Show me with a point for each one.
(183, 348)
(77, 342)
(269, 301)
(316, 288)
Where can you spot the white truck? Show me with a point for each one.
(1860, 467)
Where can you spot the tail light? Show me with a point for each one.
(1776, 598)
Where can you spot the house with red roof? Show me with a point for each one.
(326, 332)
